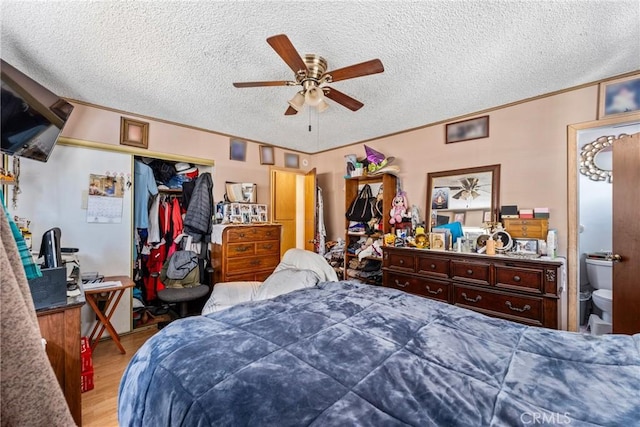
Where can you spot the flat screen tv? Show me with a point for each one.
(32, 116)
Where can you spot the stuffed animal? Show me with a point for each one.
(399, 208)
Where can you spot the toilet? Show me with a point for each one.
(600, 274)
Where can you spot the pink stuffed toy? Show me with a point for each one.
(399, 208)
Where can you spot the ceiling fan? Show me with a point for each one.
(311, 74)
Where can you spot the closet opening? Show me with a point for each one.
(163, 215)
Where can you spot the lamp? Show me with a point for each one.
(322, 106)
(313, 96)
(297, 102)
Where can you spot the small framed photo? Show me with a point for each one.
(458, 217)
(437, 241)
(134, 133)
(486, 216)
(266, 155)
(619, 97)
(237, 150)
(291, 160)
(467, 129)
(526, 246)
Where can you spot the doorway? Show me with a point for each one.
(599, 234)
(293, 201)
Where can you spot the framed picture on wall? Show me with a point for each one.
(134, 133)
(266, 155)
(291, 160)
(467, 129)
(619, 97)
(237, 150)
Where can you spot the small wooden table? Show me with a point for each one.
(113, 295)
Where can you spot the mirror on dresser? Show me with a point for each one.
(471, 196)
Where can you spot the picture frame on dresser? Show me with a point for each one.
(525, 246)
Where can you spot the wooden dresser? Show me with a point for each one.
(517, 289)
(245, 252)
(531, 228)
(60, 327)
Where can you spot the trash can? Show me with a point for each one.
(585, 306)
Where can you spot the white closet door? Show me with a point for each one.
(54, 194)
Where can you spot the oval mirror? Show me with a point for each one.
(596, 159)
(603, 159)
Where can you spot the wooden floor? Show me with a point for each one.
(100, 405)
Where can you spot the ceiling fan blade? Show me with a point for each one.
(290, 111)
(358, 70)
(257, 84)
(342, 99)
(287, 52)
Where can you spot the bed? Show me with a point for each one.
(344, 353)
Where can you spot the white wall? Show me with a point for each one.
(54, 194)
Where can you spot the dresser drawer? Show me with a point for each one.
(535, 228)
(267, 247)
(433, 266)
(435, 289)
(239, 265)
(474, 272)
(240, 249)
(525, 309)
(251, 234)
(524, 279)
(400, 261)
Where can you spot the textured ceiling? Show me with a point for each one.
(177, 60)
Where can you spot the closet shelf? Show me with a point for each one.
(170, 190)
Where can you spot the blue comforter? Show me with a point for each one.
(345, 354)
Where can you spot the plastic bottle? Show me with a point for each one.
(491, 246)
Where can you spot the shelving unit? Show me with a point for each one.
(352, 188)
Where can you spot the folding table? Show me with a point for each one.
(112, 294)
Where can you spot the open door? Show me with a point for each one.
(310, 210)
(626, 235)
(293, 200)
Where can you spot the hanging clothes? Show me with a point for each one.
(322, 231)
(198, 221)
(154, 221)
(145, 186)
(176, 226)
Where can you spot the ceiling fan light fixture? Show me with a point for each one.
(314, 96)
(297, 102)
(322, 106)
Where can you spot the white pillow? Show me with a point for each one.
(285, 281)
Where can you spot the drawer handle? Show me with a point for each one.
(242, 249)
(401, 261)
(240, 234)
(268, 246)
(402, 285)
(439, 291)
(525, 308)
(255, 262)
(476, 299)
(433, 266)
(268, 233)
(469, 272)
(516, 278)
